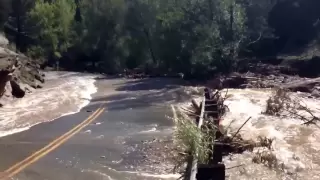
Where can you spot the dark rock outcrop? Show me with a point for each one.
(17, 91)
(18, 75)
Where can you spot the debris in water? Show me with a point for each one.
(117, 162)
(88, 131)
(192, 141)
(100, 137)
(267, 158)
(281, 104)
(278, 102)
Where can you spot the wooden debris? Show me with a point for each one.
(302, 86)
(281, 104)
(219, 144)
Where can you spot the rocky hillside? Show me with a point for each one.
(18, 74)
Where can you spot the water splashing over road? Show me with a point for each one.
(64, 93)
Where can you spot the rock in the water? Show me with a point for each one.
(315, 93)
(17, 91)
(39, 77)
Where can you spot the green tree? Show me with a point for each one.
(53, 23)
(17, 22)
(200, 37)
(197, 38)
(101, 37)
(5, 9)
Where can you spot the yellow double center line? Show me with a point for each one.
(13, 170)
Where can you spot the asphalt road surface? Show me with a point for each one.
(98, 142)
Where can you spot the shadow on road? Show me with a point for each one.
(141, 93)
(135, 100)
(151, 84)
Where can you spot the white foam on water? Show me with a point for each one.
(152, 130)
(160, 176)
(296, 146)
(13, 131)
(64, 93)
(112, 174)
(102, 175)
(145, 174)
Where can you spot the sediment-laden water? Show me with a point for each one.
(64, 93)
(295, 146)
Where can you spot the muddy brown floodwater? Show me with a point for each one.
(132, 138)
(295, 146)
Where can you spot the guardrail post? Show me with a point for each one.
(211, 172)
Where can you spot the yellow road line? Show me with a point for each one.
(52, 146)
(53, 142)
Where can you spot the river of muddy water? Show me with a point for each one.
(295, 146)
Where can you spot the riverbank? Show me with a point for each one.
(19, 74)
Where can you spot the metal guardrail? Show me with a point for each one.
(194, 161)
(214, 170)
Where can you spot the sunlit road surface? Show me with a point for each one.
(90, 144)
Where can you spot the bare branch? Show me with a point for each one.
(240, 128)
(255, 40)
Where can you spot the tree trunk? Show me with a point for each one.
(150, 46)
(231, 11)
(18, 24)
(210, 9)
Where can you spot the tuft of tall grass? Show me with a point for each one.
(190, 141)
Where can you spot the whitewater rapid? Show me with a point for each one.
(295, 146)
(63, 93)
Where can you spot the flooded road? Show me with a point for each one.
(135, 112)
(108, 148)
